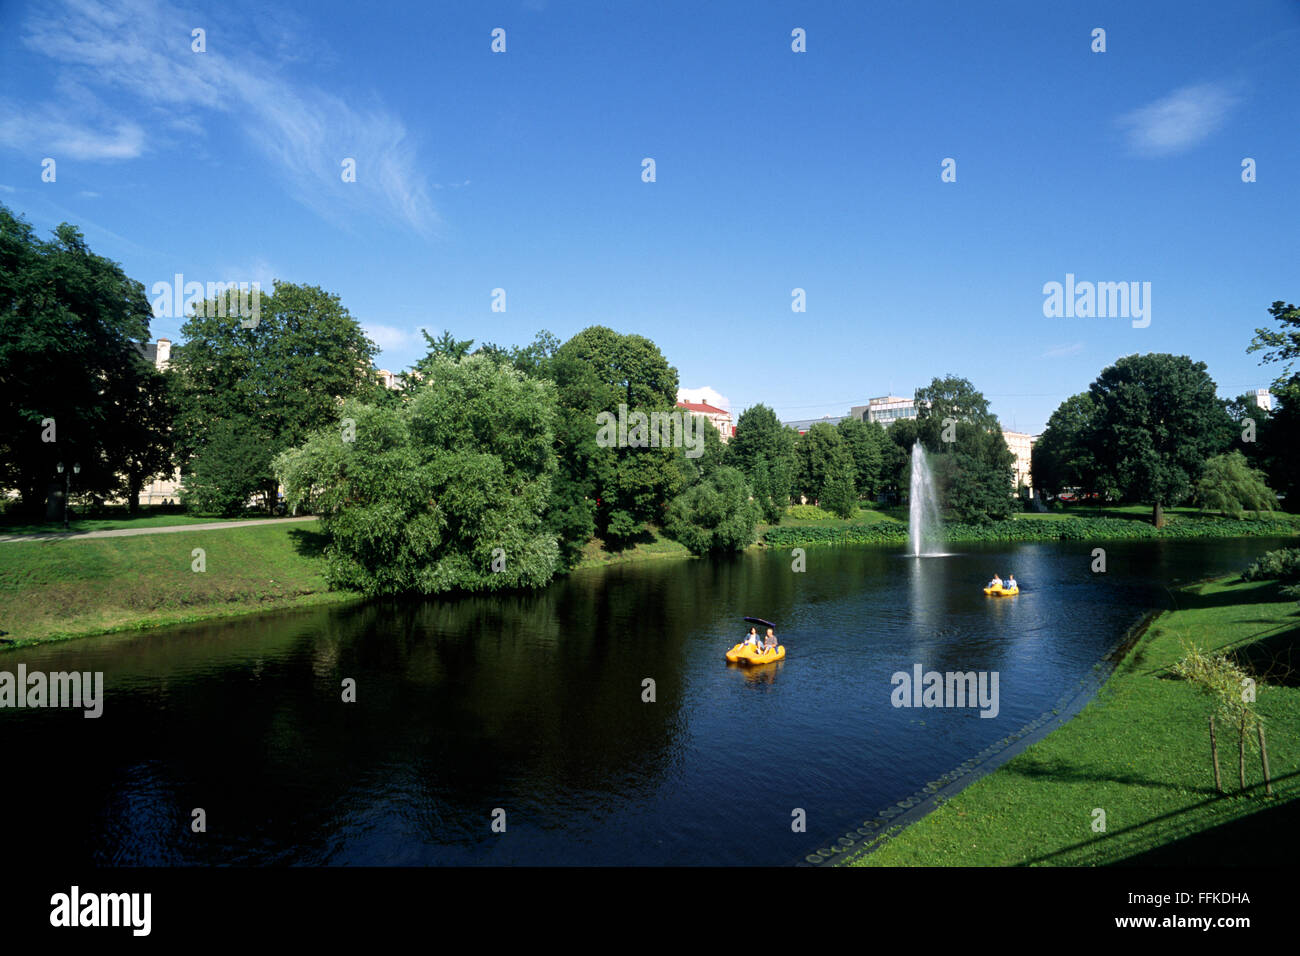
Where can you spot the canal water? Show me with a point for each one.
(533, 705)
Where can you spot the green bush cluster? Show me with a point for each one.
(1281, 565)
(808, 513)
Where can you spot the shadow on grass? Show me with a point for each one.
(1034, 769)
(1273, 659)
(619, 545)
(1267, 654)
(310, 544)
(1195, 600)
(1254, 840)
(1116, 846)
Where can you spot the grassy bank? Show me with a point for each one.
(1033, 527)
(52, 590)
(1140, 752)
(654, 547)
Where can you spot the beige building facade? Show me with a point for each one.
(1022, 446)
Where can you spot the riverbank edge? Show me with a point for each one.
(1109, 530)
(874, 833)
(315, 599)
(625, 558)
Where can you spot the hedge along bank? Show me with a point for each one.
(1066, 529)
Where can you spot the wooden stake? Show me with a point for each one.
(1263, 756)
(1214, 752)
(1241, 753)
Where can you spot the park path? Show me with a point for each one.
(167, 529)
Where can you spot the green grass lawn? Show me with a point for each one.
(654, 546)
(807, 516)
(58, 589)
(1141, 753)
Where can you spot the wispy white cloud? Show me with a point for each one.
(140, 49)
(1180, 120)
(58, 134)
(706, 394)
(259, 271)
(389, 336)
(1061, 351)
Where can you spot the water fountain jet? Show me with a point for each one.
(924, 526)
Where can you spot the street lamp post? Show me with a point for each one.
(67, 488)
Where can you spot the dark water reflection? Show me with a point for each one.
(533, 703)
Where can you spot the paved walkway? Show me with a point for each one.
(168, 529)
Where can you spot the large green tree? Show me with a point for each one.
(717, 514)
(1063, 456)
(1277, 445)
(814, 451)
(1281, 344)
(951, 397)
(764, 451)
(145, 433)
(866, 442)
(839, 494)
(965, 447)
(1157, 421)
(446, 346)
(597, 371)
(71, 369)
(280, 379)
(446, 492)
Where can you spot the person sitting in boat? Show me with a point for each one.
(1011, 582)
(996, 583)
(770, 643)
(752, 637)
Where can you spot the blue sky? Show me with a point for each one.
(775, 170)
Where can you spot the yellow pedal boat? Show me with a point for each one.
(748, 654)
(1003, 592)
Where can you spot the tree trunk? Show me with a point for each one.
(1263, 757)
(34, 500)
(1158, 515)
(1241, 753)
(1214, 753)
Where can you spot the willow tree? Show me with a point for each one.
(444, 493)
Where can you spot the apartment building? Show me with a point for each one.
(884, 410)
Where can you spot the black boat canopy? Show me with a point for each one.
(759, 620)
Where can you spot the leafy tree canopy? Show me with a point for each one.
(1157, 421)
(71, 328)
(445, 493)
(715, 515)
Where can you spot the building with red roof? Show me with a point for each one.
(719, 418)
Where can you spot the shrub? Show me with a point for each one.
(808, 513)
(1281, 565)
(715, 515)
